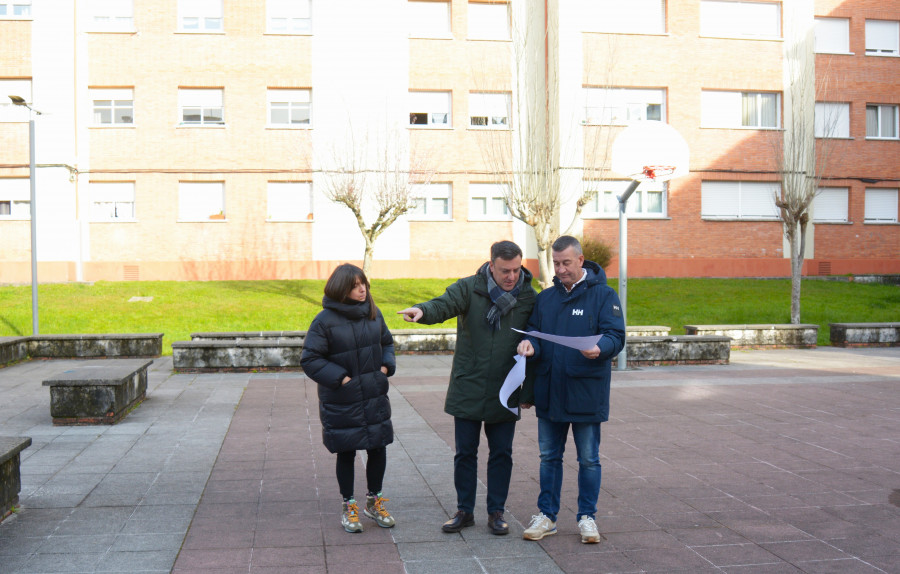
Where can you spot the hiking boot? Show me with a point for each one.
(496, 524)
(375, 510)
(460, 520)
(539, 527)
(588, 528)
(350, 517)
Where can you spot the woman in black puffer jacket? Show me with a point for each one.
(349, 352)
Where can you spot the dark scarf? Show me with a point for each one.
(502, 300)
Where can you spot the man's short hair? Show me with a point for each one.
(505, 250)
(566, 241)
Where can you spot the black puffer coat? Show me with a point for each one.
(342, 341)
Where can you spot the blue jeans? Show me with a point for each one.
(552, 442)
(499, 464)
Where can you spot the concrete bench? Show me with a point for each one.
(801, 336)
(236, 355)
(287, 336)
(865, 334)
(677, 350)
(97, 392)
(93, 346)
(10, 476)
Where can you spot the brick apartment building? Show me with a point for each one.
(195, 139)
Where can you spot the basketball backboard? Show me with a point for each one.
(647, 150)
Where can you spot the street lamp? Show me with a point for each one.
(20, 101)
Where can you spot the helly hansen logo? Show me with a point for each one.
(616, 311)
(578, 311)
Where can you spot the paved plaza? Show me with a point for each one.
(783, 461)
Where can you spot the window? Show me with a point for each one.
(738, 200)
(882, 38)
(633, 16)
(201, 107)
(288, 17)
(15, 198)
(489, 110)
(487, 201)
(619, 105)
(489, 21)
(881, 205)
(830, 205)
(429, 19)
(832, 35)
(10, 112)
(113, 106)
(289, 108)
(740, 109)
(648, 200)
(201, 201)
(881, 121)
(832, 120)
(740, 19)
(15, 9)
(432, 201)
(200, 16)
(113, 201)
(289, 201)
(112, 15)
(429, 109)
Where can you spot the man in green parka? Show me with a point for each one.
(488, 306)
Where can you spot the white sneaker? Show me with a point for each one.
(539, 527)
(589, 532)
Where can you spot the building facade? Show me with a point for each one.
(200, 139)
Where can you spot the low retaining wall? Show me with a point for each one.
(680, 350)
(236, 355)
(865, 334)
(13, 350)
(10, 476)
(800, 336)
(90, 346)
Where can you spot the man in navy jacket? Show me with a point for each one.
(571, 387)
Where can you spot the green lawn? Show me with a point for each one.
(181, 308)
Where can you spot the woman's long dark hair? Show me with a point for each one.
(343, 280)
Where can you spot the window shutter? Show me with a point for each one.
(719, 198)
(758, 199)
(881, 204)
(832, 35)
(15, 189)
(882, 36)
(831, 204)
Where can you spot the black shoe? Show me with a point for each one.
(496, 524)
(459, 521)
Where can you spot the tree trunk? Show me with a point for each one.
(796, 268)
(545, 264)
(367, 258)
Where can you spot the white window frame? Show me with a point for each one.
(112, 201)
(739, 200)
(433, 202)
(488, 21)
(435, 106)
(736, 19)
(832, 120)
(491, 196)
(16, 192)
(201, 16)
(112, 16)
(489, 110)
(294, 102)
(831, 205)
(832, 35)
(626, 17)
(605, 205)
(883, 38)
(289, 201)
(880, 122)
(724, 109)
(618, 106)
(201, 201)
(205, 100)
(429, 19)
(120, 100)
(9, 112)
(15, 9)
(289, 17)
(881, 205)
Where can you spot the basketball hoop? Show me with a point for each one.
(650, 150)
(654, 172)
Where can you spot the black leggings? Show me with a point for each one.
(375, 465)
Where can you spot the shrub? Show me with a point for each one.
(598, 251)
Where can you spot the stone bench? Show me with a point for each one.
(865, 334)
(287, 336)
(10, 477)
(205, 355)
(97, 392)
(677, 350)
(93, 346)
(800, 336)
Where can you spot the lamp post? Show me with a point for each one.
(19, 101)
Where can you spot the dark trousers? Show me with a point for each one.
(499, 465)
(375, 466)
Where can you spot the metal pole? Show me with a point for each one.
(33, 206)
(623, 262)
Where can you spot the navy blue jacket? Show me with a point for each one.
(565, 386)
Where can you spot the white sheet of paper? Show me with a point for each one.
(579, 343)
(513, 381)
